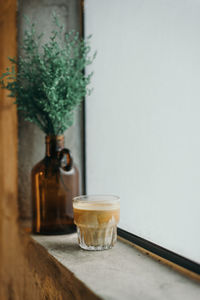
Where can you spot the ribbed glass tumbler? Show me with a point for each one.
(96, 218)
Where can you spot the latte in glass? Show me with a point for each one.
(96, 218)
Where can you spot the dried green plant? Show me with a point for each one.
(50, 81)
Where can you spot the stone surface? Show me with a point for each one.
(31, 147)
(122, 272)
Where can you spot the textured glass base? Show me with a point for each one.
(90, 238)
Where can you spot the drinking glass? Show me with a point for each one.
(96, 218)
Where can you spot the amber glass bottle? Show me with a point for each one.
(55, 181)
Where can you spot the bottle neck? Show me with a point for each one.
(54, 144)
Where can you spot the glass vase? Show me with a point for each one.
(55, 181)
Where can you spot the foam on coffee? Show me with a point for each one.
(95, 206)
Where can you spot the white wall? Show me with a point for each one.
(143, 118)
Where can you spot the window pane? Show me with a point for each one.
(143, 118)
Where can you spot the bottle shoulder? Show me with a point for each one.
(47, 163)
(40, 166)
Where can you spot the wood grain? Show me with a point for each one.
(27, 271)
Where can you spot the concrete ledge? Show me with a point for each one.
(51, 277)
(120, 273)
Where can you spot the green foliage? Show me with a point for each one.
(50, 81)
